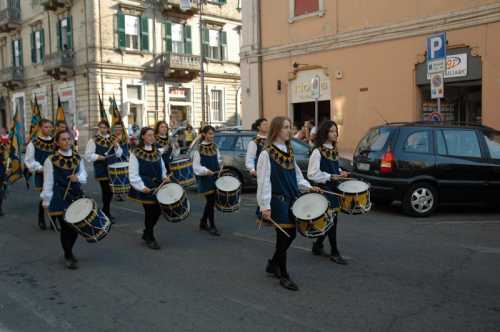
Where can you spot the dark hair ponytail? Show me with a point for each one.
(323, 132)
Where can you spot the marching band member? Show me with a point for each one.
(98, 151)
(63, 174)
(256, 146)
(165, 146)
(324, 169)
(37, 152)
(206, 165)
(279, 180)
(119, 137)
(147, 172)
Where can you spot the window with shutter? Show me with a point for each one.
(177, 38)
(120, 19)
(42, 46)
(37, 46)
(33, 47)
(223, 45)
(205, 42)
(188, 43)
(131, 31)
(304, 7)
(69, 32)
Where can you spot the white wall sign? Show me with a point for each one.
(300, 89)
(456, 66)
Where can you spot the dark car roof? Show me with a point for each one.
(435, 125)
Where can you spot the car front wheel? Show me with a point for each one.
(420, 200)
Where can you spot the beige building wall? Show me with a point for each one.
(369, 51)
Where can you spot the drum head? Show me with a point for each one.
(310, 206)
(79, 210)
(118, 165)
(228, 183)
(180, 161)
(170, 194)
(353, 187)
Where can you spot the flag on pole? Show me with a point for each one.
(116, 117)
(60, 111)
(14, 165)
(36, 117)
(102, 111)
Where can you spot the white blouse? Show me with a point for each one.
(29, 158)
(90, 154)
(133, 171)
(314, 172)
(48, 177)
(264, 187)
(251, 154)
(197, 167)
(175, 149)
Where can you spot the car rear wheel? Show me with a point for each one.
(420, 200)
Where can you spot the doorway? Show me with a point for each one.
(305, 112)
(462, 103)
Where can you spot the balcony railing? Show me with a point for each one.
(12, 77)
(55, 4)
(175, 61)
(60, 64)
(10, 19)
(174, 6)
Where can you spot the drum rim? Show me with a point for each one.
(115, 165)
(69, 207)
(171, 184)
(339, 187)
(231, 177)
(294, 207)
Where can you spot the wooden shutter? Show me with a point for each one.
(42, 46)
(13, 53)
(168, 37)
(59, 34)
(20, 43)
(223, 45)
(205, 42)
(33, 46)
(69, 32)
(144, 29)
(121, 29)
(188, 49)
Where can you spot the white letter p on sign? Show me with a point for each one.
(436, 45)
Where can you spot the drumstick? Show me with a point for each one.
(69, 184)
(220, 171)
(279, 227)
(331, 193)
(159, 187)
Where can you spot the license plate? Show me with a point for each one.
(363, 167)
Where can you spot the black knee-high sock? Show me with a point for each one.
(107, 196)
(283, 242)
(208, 212)
(152, 213)
(41, 213)
(332, 237)
(68, 237)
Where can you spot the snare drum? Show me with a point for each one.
(89, 222)
(173, 202)
(228, 189)
(356, 197)
(312, 215)
(182, 172)
(118, 178)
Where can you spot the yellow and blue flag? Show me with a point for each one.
(36, 117)
(16, 139)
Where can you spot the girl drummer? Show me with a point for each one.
(98, 151)
(206, 166)
(147, 172)
(120, 137)
(166, 148)
(324, 169)
(63, 175)
(278, 182)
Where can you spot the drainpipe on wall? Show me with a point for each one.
(88, 68)
(259, 59)
(50, 77)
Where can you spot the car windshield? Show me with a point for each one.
(374, 141)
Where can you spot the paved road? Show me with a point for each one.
(437, 274)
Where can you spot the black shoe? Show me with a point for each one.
(153, 245)
(203, 226)
(319, 251)
(288, 283)
(71, 263)
(273, 269)
(338, 259)
(213, 231)
(42, 225)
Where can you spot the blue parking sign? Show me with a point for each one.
(436, 47)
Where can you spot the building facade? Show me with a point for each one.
(370, 57)
(145, 53)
